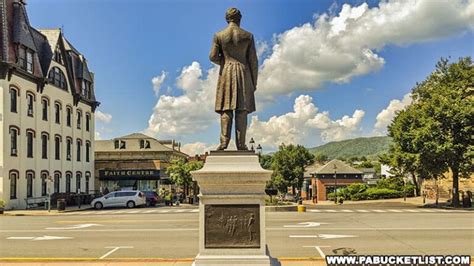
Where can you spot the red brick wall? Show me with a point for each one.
(322, 183)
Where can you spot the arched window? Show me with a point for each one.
(57, 112)
(68, 116)
(88, 122)
(79, 119)
(44, 183)
(30, 134)
(68, 148)
(57, 147)
(30, 103)
(14, 132)
(57, 78)
(13, 100)
(78, 149)
(78, 182)
(45, 104)
(68, 182)
(13, 179)
(44, 145)
(88, 151)
(30, 175)
(57, 176)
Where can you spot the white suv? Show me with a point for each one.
(125, 198)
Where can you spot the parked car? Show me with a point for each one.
(152, 198)
(124, 198)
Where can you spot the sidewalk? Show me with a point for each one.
(43, 212)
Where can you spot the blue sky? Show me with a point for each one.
(360, 56)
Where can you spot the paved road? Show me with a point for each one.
(150, 233)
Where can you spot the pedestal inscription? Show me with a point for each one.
(232, 226)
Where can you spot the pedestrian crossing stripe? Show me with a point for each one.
(382, 211)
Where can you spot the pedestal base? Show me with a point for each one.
(230, 260)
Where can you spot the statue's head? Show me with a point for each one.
(233, 15)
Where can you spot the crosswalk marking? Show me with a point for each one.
(195, 210)
(379, 211)
(150, 211)
(347, 211)
(362, 210)
(395, 210)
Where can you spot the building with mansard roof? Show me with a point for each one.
(47, 112)
(134, 161)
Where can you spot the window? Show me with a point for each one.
(29, 144)
(57, 147)
(68, 116)
(68, 149)
(144, 144)
(30, 103)
(78, 149)
(57, 176)
(68, 182)
(14, 141)
(88, 121)
(88, 176)
(13, 179)
(78, 182)
(57, 113)
(29, 61)
(29, 183)
(88, 151)
(120, 144)
(44, 103)
(57, 78)
(86, 89)
(22, 57)
(58, 56)
(44, 146)
(79, 118)
(13, 100)
(44, 183)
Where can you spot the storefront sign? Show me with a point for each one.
(141, 174)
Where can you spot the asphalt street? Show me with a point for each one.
(166, 233)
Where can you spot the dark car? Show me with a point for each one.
(152, 198)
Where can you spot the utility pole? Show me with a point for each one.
(335, 184)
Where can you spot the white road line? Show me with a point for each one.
(90, 212)
(409, 210)
(180, 210)
(315, 210)
(330, 210)
(195, 210)
(392, 210)
(163, 211)
(112, 251)
(115, 212)
(362, 211)
(378, 210)
(425, 210)
(347, 211)
(318, 248)
(303, 236)
(150, 211)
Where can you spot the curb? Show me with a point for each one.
(282, 259)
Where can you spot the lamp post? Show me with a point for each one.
(252, 142)
(50, 180)
(335, 184)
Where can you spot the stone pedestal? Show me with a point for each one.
(232, 209)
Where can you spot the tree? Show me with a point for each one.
(266, 161)
(180, 172)
(321, 158)
(288, 166)
(434, 133)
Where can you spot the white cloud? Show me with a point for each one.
(103, 117)
(97, 136)
(262, 48)
(197, 148)
(158, 81)
(304, 125)
(336, 48)
(385, 117)
(190, 112)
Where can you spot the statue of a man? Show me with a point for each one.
(234, 50)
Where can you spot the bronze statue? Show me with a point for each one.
(234, 50)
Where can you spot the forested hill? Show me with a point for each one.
(369, 147)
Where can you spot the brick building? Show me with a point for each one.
(325, 178)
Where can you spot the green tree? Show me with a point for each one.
(180, 172)
(321, 158)
(435, 132)
(288, 165)
(266, 161)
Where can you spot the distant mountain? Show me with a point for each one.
(369, 147)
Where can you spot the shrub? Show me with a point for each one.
(2, 204)
(394, 183)
(383, 193)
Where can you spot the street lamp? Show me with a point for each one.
(335, 184)
(252, 142)
(259, 149)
